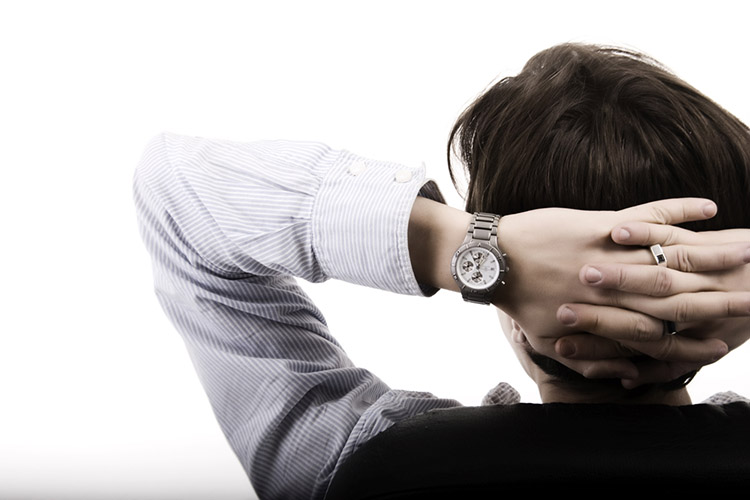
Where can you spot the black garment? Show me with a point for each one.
(485, 452)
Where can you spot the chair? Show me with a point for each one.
(485, 452)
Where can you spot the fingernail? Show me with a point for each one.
(592, 275)
(566, 348)
(709, 209)
(721, 352)
(623, 234)
(567, 316)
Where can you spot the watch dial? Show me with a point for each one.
(478, 268)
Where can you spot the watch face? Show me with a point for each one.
(477, 268)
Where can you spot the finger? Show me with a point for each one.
(591, 347)
(611, 322)
(671, 348)
(698, 255)
(685, 307)
(671, 211)
(658, 372)
(605, 368)
(645, 234)
(633, 332)
(655, 281)
(678, 348)
(693, 259)
(618, 367)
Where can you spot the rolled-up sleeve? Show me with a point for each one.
(229, 225)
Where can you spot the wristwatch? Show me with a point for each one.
(479, 266)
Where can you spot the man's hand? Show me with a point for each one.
(544, 246)
(706, 290)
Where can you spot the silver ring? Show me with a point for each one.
(658, 253)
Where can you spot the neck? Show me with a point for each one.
(554, 392)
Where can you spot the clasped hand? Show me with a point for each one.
(607, 319)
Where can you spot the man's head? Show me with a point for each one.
(597, 128)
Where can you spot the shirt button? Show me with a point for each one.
(357, 167)
(403, 176)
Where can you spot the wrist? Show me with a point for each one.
(510, 237)
(435, 230)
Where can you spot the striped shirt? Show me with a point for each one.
(229, 227)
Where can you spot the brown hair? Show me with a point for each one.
(600, 128)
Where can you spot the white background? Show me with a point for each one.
(99, 399)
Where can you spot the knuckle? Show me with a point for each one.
(641, 330)
(731, 258)
(685, 213)
(660, 214)
(724, 260)
(662, 284)
(615, 299)
(683, 311)
(645, 232)
(671, 236)
(683, 259)
(594, 323)
(621, 277)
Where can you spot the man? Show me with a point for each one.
(596, 128)
(229, 226)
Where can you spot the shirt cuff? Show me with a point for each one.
(360, 223)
